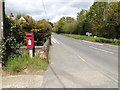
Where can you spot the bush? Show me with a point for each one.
(42, 31)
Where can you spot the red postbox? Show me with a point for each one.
(29, 40)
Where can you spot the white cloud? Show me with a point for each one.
(54, 8)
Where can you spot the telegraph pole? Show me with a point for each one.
(2, 20)
(2, 16)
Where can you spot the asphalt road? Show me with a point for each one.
(81, 64)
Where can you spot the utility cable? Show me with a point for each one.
(44, 10)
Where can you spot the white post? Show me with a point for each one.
(31, 52)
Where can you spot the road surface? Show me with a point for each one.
(81, 64)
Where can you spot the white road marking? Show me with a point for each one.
(109, 76)
(93, 43)
(102, 50)
(82, 59)
(55, 41)
(100, 71)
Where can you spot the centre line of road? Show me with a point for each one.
(102, 50)
(100, 71)
(82, 59)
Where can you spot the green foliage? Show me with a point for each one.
(14, 34)
(96, 17)
(81, 19)
(42, 31)
(19, 63)
(90, 38)
(70, 28)
(102, 20)
(69, 20)
(59, 25)
(11, 42)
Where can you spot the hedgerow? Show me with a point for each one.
(11, 40)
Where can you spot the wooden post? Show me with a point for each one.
(1, 35)
(2, 26)
(2, 11)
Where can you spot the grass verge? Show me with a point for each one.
(97, 39)
(18, 64)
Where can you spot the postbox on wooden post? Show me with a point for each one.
(30, 43)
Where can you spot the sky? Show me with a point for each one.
(54, 9)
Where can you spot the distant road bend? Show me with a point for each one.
(81, 64)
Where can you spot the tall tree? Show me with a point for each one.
(81, 19)
(60, 25)
(95, 16)
(112, 15)
(69, 20)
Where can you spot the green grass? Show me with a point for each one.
(18, 64)
(90, 38)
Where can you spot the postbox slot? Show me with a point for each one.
(28, 35)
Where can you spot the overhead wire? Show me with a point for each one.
(45, 10)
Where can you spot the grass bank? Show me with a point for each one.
(19, 64)
(96, 39)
